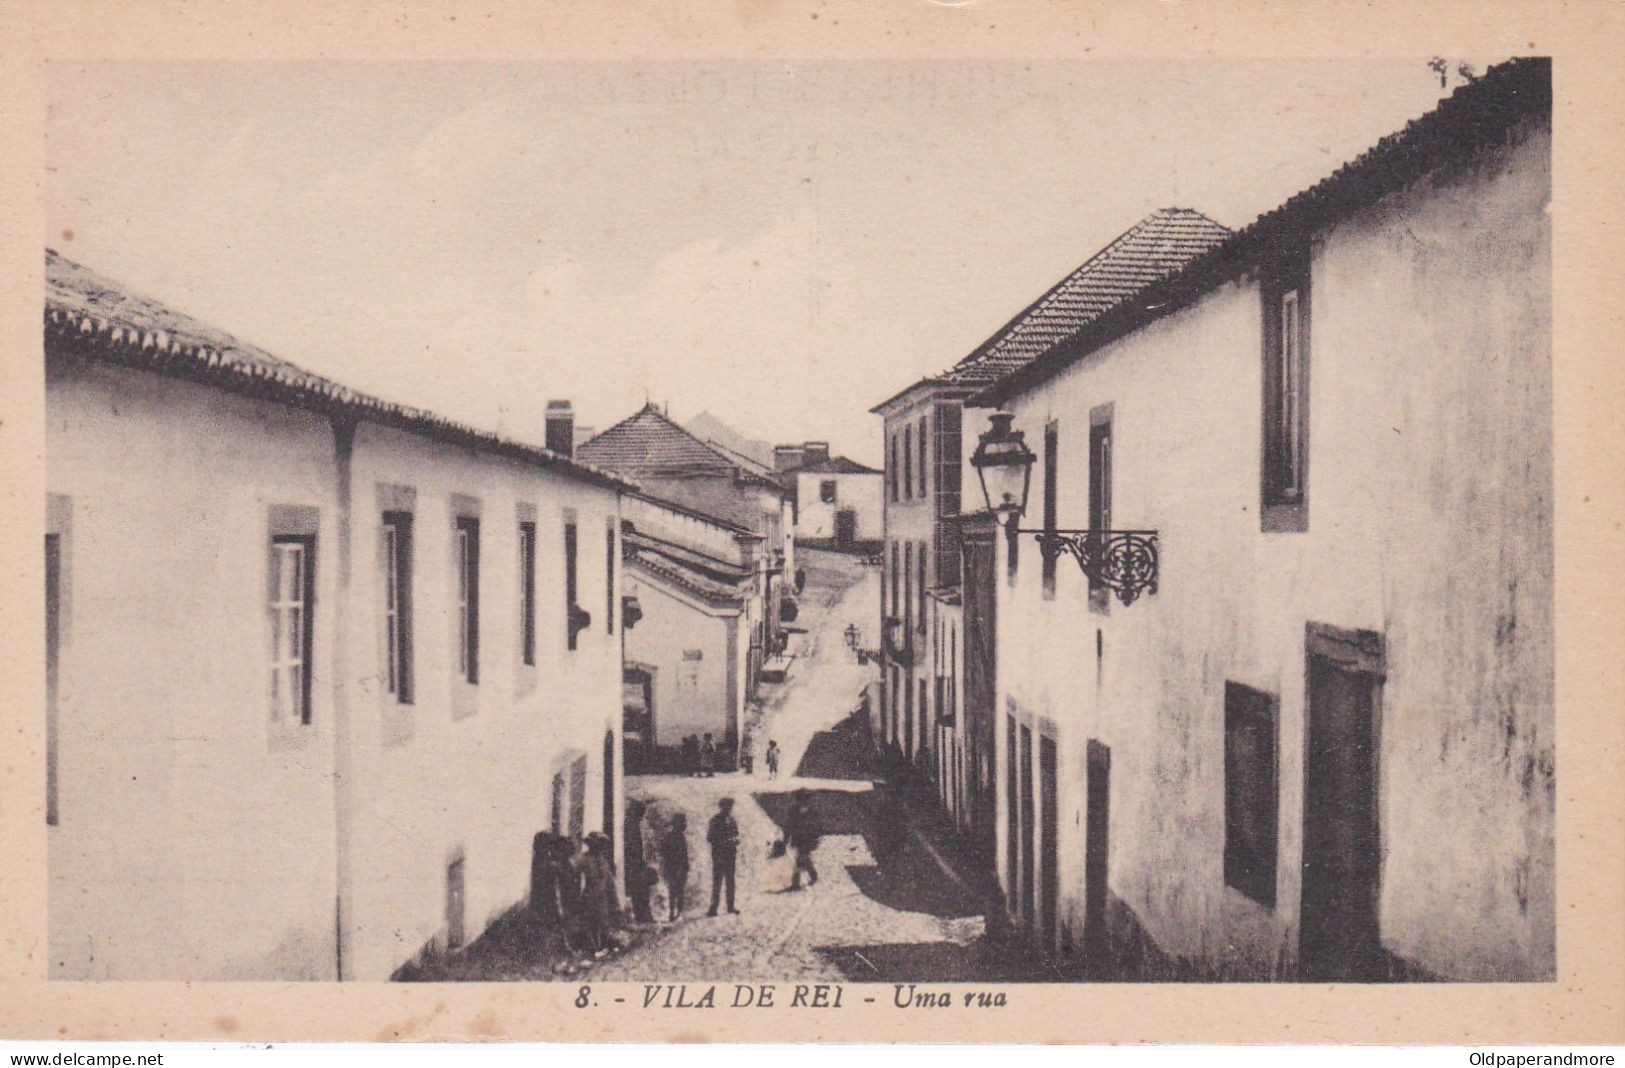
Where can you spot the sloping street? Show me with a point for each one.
(870, 916)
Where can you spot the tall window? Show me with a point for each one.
(609, 578)
(924, 452)
(1250, 793)
(468, 598)
(1286, 395)
(894, 476)
(1052, 458)
(908, 464)
(527, 592)
(293, 595)
(1100, 488)
(826, 491)
(908, 589)
(398, 604)
(896, 608)
(572, 611)
(919, 563)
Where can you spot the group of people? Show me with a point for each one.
(572, 889)
(700, 756)
(671, 850)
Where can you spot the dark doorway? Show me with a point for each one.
(1049, 849)
(1012, 815)
(1027, 822)
(908, 718)
(638, 745)
(609, 788)
(1096, 847)
(1339, 939)
(846, 528)
(53, 653)
(981, 720)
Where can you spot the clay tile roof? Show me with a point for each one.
(89, 315)
(650, 441)
(835, 465)
(1481, 113)
(1157, 245)
(674, 573)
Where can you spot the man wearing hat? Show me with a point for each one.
(723, 834)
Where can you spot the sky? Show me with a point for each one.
(781, 244)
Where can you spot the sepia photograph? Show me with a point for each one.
(807, 532)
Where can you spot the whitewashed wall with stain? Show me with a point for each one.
(1430, 521)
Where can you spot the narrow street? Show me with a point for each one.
(868, 918)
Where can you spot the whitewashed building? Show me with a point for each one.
(319, 666)
(695, 581)
(838, 501)
(1320, 744)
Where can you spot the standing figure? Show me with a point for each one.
(723, 834)
(772, 759)
(708, 758)
(674, 865)
(638, 883)
(601, 905)
(803, 838)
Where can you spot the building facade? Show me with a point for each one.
(838, 502)
(1320, 746)
(673, 465)
(686, 658)
(938, 677)
(319, 666)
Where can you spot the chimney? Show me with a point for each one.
(786, 456)
(815, 452)
(561, 421)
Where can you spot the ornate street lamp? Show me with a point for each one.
(1004, 467)
(1123, 561)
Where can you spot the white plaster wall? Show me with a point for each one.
(1429, 521)
(188, 845)
(859, 492)
(710, 538)
(672, 626)
(192, 846)
(479, 783)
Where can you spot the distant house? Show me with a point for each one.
(674, 465)
(838, 501)
(319, 666)
(687, 657)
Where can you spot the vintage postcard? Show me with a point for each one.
(894, 522)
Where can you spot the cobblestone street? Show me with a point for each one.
(909, 915)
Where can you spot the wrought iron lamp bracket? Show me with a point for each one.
(1123, 561)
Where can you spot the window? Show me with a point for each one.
(397, 550)
(609, 579)
(896, 605)
(1285, 293)
(908, 589)
(826, 491)
(919, 561)
(908, 464)
(1100, 488)
(924, 452)
(293, 595)
(891, 466)
(468, 598)
(527, 592)
(575, 618)
(1250, 792)
(1052, 457)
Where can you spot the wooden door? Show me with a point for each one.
(1028, 821)
(454, 904)
(1096, 847)
(846, 528)
(980, 670)
(1339, 937)
(1049, 850)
